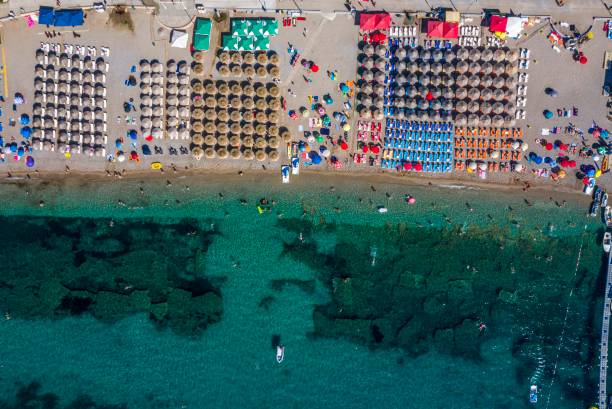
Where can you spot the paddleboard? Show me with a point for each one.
(285, 173)
(295, 165)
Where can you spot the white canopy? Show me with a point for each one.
(179, 39)
(515, 26)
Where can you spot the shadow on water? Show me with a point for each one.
(56, 267)
(30, 397)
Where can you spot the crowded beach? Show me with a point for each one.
(437, 95)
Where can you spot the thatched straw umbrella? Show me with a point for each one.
(474, 68)
(197, 152)
(223, 116)
(510, 94)
(235, 88)
(198, 69)
(260, 129)
(198, 56)
(510, 108)
(474, 54)
(274, 71)
(274, 156)
(235, 128)
(511, 82)
(221, 102)
(209, 127)
(222, 128)
(224, 70)
(499, 68)
(235, 153)
(172, 89)
(222, 140)
(461, 120)
(210, 140)
(273, 130)
(247, 141)
(261, 71)
(260, 143)
(210, 102)
(260, 104)
(235, 102)
(248, 116)
(197, 87)
(198, 114)
(197, 139)
(261, 116)
(273, 58)
(262, 58)
(484, 120)
(274, 91)
(234, 140)
(210, 87)
(249, 71)
(248, 58)
(473, 106)
(261, 155)
(236, 58)
(183, 113)
(498, 82)
(509, 121)
(248, 154)
(224, 57)
(368, 49)
(236, 70)
(486, 68)
(223, 88)
(209, 153)
(273, 117)
(365, 113)
(274, 104)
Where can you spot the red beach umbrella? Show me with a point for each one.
(585, 181)
(429, 96)
(583, 60)
(572, 163)
(365, 148)
(596, 133)
(549, 146)
(564, 163)
(344, 146)
(407, 165)
(418, 167)
(562, 146)
(375, 149)
(314, 68)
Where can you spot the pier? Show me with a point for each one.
(603, 355)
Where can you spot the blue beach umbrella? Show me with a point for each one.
(29, 161)
(604, 133)
(548, 114)
(25, 119)
(26, 131)
(20, 151)
(315, 158)
(532, 156)
(13, 147)
(133, 134)
(118, 143)
(538, 160)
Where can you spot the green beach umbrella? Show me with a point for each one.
(229, 43)
(201, 42)
(240, 27)
(271, 28)
(202, 26)
(257, 28)
(262, 43)
(245, 43)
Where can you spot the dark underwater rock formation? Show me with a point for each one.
(56, 267)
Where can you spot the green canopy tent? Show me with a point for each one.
(229, 42)
(262, 43)
(201, 42)
(202, 27)
(270, 28)
(245, 43)
(256, 28)
(240, 27)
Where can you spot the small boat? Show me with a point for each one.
(156, 165)
(607, 241)
(608, 216)
(604, 199)
(295, 165)
(597, 197)
(533, 394)
(382, 209)
(280, 353)
(285, 173)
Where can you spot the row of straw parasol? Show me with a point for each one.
(370, 67)
(237, 70)
(258, 128)
(231, 115)
(235, 88)
(235, 102)
(235, 153)
(484, 120)
(237, 140)
(249, 58)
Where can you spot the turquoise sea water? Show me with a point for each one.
(174, 297)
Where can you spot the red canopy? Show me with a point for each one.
(435, 28)
(374, 21)
(442, 29)
(378, 37)
(498, 24)
(450, 30)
